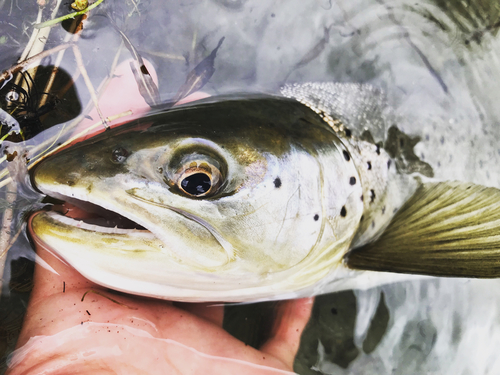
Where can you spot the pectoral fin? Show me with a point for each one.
(444, 229)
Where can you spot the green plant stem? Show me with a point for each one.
(67, 16)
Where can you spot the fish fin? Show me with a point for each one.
(444, 229)
(362, 107)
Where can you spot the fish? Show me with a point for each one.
(257, 197)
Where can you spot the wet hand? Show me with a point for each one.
(108, 332)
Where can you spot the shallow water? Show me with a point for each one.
(438, 62)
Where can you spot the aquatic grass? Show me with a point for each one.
(56, 21)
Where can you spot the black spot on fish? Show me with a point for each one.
(441, 140)
(343, 212)
(372, 195)
(119, 155)
(389, 164)
(362, 198)
(395, 210)
(401, 142)
(277, 182)
(362, 218)
(348, 133)
(383, 210)
(352, 180)
(377, 149)
(334, 311)
(273, 15)
(346, 155)
(369, 165)
(316, 217)
(373, 224)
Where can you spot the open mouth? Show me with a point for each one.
(89, 216)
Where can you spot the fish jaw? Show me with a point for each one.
(102, 254)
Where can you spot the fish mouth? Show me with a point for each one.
(74, 222)
(117, 221)
(89, 216)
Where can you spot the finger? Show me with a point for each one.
(291, 319)
(209, 311)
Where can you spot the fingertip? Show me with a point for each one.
(291, 320)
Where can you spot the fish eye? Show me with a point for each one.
(198, 178)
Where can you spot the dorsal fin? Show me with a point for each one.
(361, 107)
(444, 229)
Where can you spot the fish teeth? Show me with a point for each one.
(92, 227)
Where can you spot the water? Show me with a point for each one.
(436, 60)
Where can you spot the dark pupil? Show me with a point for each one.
(196, 184)
(119, 155)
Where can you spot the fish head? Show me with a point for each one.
(229, 200)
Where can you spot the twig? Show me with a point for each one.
(7, 74)
(57, 63)
(193, 43)
(5, 231)
(67, 16)
(37, 41)
(33, 37)
(163, 55)
(136, 9)
(105, 296)
(88, 83)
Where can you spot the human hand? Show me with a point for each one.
(113, 333)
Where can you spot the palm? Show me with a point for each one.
(120, 334)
